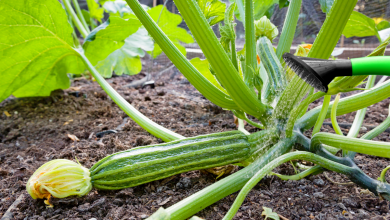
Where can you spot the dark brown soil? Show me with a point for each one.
(36, 131)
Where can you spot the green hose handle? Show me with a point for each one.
(371, 66)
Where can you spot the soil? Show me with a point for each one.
(35, 130)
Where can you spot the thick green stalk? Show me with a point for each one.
(297, 111)
(234, 53)
(374, 133)
(250, 45)
(358, 121)
(335, 125)
(332, 29)
(289, 27)
(322, 48)
(353, 172)
(80, 15)
(348, 104)
(328, 164)
(321, 116)
(143, 121)
(226, 72)
(204, 86)
(375, 148)
(378, 129)
(75, 19)
(211, 194)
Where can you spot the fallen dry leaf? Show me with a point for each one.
(73, 137)
(7, 114)
(66, 123)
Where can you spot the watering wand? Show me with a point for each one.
(319, 73)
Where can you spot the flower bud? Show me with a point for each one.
(264, 27)
(59, 178)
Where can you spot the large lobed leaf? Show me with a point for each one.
(360, 25)
(203, 67)
(109, 37)
(95, 11)
(326, 5)
(35, 48)
(213, 10)
(126, 60)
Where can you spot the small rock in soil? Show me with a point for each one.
(341, 206)
(350, 202)
(318, 195)
(184, 183)
(319, 182)
(161, 93)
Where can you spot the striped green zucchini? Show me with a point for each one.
(277, 80)
(145, 164)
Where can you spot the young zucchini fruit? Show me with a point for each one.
(62, 178)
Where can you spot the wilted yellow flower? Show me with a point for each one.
(59, 178)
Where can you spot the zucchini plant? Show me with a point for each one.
(253, 82)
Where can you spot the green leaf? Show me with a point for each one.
(360, 25)
(261, 7)
(126, 60)
(168, 23)
(87, 16)
(95, 11)
(383, 25)
(213, 10)
(284, 3)
(326, 5)
(269, 214)
(203, 67)
(119, 8)
(108, 37)
(35, 48)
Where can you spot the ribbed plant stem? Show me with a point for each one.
(250, 45)
(143, 121)
(75, 19)
(245, 98)
(289, 27)
(80, 15)
(375, 148)
(204, 86)
(358, 121)
(234, 53)
(348, 104)
(322, 48)
(321, 116)
(332, 29)
(328, 164)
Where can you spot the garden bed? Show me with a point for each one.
(35, 130)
